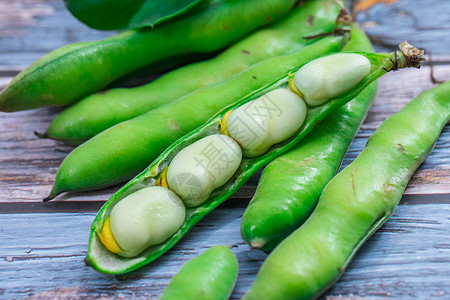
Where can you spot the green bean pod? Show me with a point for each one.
(122, 151)
(105, 261)
(355, 203)
(211, 275)
(77, 70)
(99, 111)
(290, 185)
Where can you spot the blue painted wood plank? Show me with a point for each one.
(30, 29)
(28, 165)
(42, 256)
(424, 24)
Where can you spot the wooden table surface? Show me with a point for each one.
(42, 246)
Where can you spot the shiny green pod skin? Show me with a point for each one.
(77, 70)
(290, 185)
(355, 203)
(211, 275)
(107, 262)
(122, 151)
(102, 110)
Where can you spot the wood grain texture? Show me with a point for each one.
(425, 24)
(42, 245)
(31, 28)
(42, 257)
(28, 165)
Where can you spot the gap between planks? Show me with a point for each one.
(94, 206)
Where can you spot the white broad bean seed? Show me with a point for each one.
(145, 218)
(330, 76)
(202, 167)
(263, 122)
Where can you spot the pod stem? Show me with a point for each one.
(408, 57)
(41, 135)
(343, 24)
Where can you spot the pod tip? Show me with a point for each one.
(51, 196)
(87, 262)
(231, 246)
(41, 135)
(257, 244)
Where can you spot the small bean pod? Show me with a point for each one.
(355, 203)
(212, 275)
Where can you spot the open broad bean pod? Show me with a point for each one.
(253, 131)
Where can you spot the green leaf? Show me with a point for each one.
(120, 14)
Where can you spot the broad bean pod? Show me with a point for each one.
(290, 185)
(355, 203)
(99, 111)
(77, 70)
(105, 261)
(127, 148)
(211, 275)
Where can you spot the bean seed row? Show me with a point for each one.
(153, 214)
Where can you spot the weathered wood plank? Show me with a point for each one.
(31, 207)
(28, 165)
(31, 28)
(42, 253)
(42, 256)
(423, 24)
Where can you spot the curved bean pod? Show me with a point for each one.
(105, 261)
(99, 111)
(126, 149)
(77, 70)
(355, 203)
(290, 185)
(212, 275)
